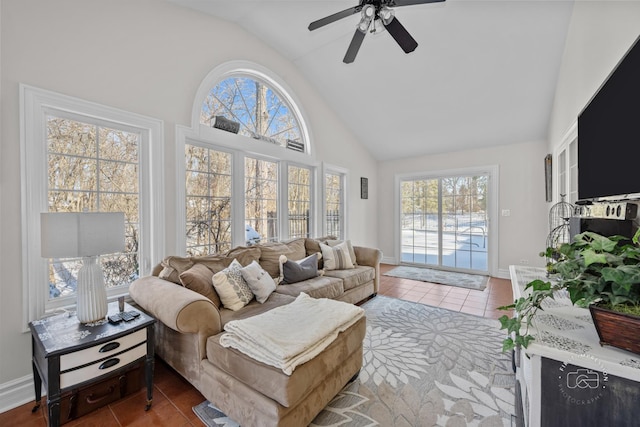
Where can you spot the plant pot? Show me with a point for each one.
(616, 329)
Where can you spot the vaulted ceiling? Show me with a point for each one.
(484, 72)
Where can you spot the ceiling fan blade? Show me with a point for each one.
(354, 47)
(401, 35)
(394, 3)
(332, 18)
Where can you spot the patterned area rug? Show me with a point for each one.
(423, 366)
(463, 280)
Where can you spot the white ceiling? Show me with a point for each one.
(484, 72)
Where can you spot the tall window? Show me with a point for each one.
(93, 168)
(444, 221)
(261, 198)
(265, 191)
(334, 204)
(79, 156)
(299, 195)
(208, 200)
(257, 109)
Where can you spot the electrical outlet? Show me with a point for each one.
(506, 212)
(524, 261)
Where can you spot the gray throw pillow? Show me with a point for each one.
(297, 271)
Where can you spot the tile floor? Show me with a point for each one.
(174, 397)
(481, 303)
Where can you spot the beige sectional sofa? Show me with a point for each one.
(191, 318)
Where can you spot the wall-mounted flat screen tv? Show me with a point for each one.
(609, 135)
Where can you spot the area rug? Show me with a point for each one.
(423, 366)
(463, 280)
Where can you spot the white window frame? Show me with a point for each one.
(241, 147)
(492, 171)
(35, 105)
(344, 178)
(284, 190)
(569, 180)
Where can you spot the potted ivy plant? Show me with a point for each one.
(601, 273)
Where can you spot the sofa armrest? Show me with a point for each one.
(372, 258)
(179, 308)
(368, 256)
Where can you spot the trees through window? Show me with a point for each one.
(93, 168)
(259, 110)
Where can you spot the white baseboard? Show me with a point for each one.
(16, 392)
(503, 274)
(389, 260)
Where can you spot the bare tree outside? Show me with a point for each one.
(261, 112)
(263, 115)
(208, 200)
(93, 168)
(445, 218)
(333, 204)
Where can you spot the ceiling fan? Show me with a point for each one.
(374, 13)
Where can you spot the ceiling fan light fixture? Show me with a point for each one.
(386, 15)
(368, 14)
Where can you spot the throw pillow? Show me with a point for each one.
(270, 254)
(352, 253)
(336, 257)
(261, 284)
(200, 279)
(297, 271)
(173, 266)
(232, 288)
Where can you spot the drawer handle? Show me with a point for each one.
(109, 347)
(109, 363)
(92, 400)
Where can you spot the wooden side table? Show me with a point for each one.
(71, 357)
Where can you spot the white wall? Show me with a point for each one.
(522, 235)
(146, 57)
(600, 33)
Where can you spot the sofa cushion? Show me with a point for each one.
(244, 254)
(336, 257)
(254, 307)
(312, 246)
(231, 287)
(270, 381)
(173, 266)
(297, 271)
(261, 284)
(317, 287)
(200, 279)
(270, 254)
(354, 277)
(352, 252)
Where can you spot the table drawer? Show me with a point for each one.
(97, 352)
(76, 376)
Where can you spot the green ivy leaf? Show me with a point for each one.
(508, 345)
(592, 257)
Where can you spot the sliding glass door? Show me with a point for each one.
(444, 222)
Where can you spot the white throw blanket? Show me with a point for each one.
(293, 334)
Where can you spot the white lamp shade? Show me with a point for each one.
(81, 234)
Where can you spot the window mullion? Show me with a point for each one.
(238, 219)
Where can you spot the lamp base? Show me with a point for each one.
(92, 295)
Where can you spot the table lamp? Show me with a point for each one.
(86, 235)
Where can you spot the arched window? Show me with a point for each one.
(250, 106)
(250, 174)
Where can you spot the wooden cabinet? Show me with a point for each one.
(86, 366)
